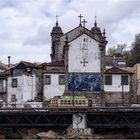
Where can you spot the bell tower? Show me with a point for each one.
(55, 37)
(96, 30)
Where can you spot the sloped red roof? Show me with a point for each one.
(114, 58)
(3, 66)
(116, 70)
(5, 73)
(30, 64)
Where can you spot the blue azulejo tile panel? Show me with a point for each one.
(88, 82)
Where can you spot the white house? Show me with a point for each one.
(117, 85)
(23, 83)
(21, 88)
(54, 79)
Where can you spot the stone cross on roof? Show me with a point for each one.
(84, 22)
(80, 17)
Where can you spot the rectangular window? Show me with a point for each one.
(47, 79)
(13, 98)
(61, 79)
(69, 102)
(108, 79)
(62, 102)
(14, 83)
(84, 102)
(65, 101)
(124, 80)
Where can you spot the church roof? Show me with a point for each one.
(28, 64)
(80, 30)
(116, 70)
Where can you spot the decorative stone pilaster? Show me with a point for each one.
(66, 49)
(102, 94)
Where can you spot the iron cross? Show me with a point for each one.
(84, 22)
(80, 17)
(84, 62)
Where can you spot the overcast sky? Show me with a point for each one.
(25, 25)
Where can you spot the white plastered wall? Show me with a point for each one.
(92, 55)
(116, 85)
(53, 89)
(25, 90)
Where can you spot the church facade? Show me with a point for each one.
(77, 62)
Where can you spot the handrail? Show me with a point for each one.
(86, 110)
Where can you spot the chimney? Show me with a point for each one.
(9, 61)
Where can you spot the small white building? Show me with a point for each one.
(23, 83)
(117, 85)
(21, 88)
(54, 79)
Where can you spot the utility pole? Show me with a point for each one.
(9, 57)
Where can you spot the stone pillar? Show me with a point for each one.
(79, 126)
(102, 93)
(66, 49)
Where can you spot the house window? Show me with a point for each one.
(14, 83)
(47, 79)
(61, 79)
(124, 80)
(108, 79)
(13, 98)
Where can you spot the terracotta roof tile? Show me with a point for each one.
(116, 70)
(3, 66)
(112, 58)
(5, 73)
(30, 64)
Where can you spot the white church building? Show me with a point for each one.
(77, 67)
(77, 62)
